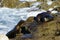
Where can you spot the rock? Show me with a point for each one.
(3, 37)
(27, 36)
(30, 19)
(57, 33)
(43, 31)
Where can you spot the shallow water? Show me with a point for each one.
(8, 19)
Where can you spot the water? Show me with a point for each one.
(9, 18)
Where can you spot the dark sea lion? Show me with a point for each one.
(13, 32)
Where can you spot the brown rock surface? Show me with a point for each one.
(45, 31)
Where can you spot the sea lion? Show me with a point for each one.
(13, 32)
